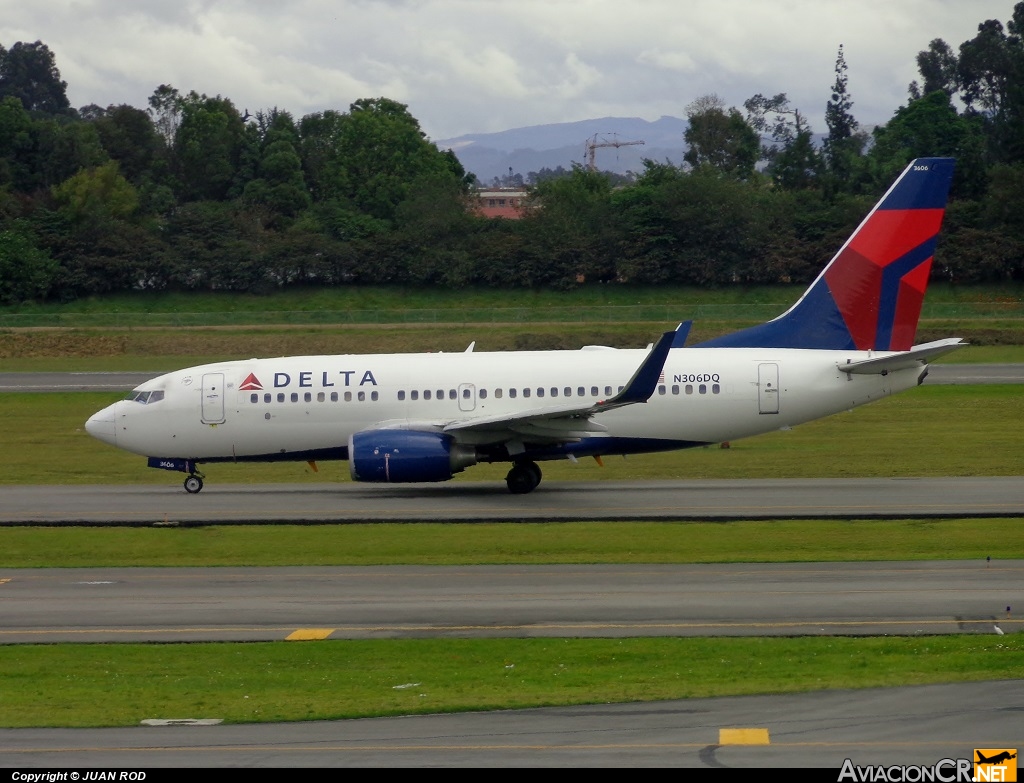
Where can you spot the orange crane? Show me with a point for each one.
(592, 145)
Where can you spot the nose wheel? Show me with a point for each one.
(193, 484)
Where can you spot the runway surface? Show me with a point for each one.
(374, 602)
(125, 381)
(723, 499)
(892, 726)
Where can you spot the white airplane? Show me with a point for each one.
(849, 340)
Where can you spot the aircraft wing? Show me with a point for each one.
(572, 420)
(918, 356)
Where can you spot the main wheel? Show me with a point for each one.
(193, 484)
(523, 477)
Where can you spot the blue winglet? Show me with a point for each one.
(681, 333)
(645, 380)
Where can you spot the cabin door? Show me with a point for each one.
(213, 398)
(768, 388)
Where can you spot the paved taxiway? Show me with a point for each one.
(893, 726)
(722, 499)
(750, 599)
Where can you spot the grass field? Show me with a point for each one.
(120, 685)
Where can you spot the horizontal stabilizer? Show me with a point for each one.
(917, 356)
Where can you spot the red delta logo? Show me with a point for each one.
(251, 383)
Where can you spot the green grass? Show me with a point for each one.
(928, 431)
(120, 685)
(494, 543)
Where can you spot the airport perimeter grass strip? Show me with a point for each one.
(431, 544)
(123, 684)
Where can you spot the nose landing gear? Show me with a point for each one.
(194, 483)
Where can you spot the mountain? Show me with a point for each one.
(490, 155)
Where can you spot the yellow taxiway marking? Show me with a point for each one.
(743, 737)
(308, 634)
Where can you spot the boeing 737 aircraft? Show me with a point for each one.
(849, 340)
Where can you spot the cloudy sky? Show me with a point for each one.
(469, 66)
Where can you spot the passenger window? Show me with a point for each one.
(362, 396)
(661, 389)
(414, 395)
(716, 389)
(308, 396)
(295, 396)
(320, 396)
(254, 398)
(452, 395)
(554, 391)
(593, 391)
(401, 395)
(607, 391)
(497, 393)
(675, 389)
(280, 396)
(689, 389)
(526, 392)
(465, 394)
(334, 396)
(426, 394)
(374, 396)
(703, 389)
(348, 396)
(483, 394)
(267, 397)
(540, 391)
(512, 393)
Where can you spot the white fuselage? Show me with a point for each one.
(309, 406)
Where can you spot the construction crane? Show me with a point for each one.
(592, 145)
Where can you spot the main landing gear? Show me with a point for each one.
(523, 477)
(194, 483)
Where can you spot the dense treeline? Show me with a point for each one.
(191, 193)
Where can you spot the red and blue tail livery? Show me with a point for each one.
(423, 417)
(869, 297)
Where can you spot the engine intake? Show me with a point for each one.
(399, 456)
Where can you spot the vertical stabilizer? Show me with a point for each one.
(869, 296)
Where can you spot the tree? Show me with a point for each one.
(931, 127)
(719, 139)
(26, 271)
(792, 160)
(371, 155)
(207, 148)
(843, 145)
(279, 183)
(938, 68)
(165, 107)
(97, 195)
(29, 73)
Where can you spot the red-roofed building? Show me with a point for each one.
(501, 202)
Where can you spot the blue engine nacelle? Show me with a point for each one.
(396, 456)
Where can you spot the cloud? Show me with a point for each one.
(477, 65)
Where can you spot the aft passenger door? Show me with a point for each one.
(213, 398)
(768, 388)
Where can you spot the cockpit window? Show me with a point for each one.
(146, 397)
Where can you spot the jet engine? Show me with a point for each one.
(396, 456)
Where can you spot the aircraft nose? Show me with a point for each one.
(102, 425)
